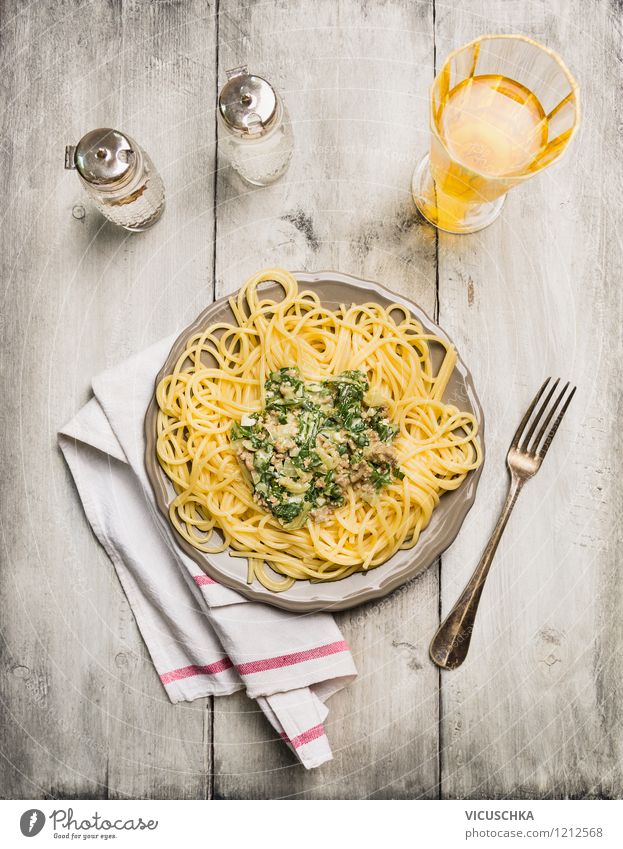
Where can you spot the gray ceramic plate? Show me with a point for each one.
(333, 289)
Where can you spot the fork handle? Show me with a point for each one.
(449, 646)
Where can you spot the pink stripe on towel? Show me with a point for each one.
(291, 659)
(203, 580)
(189, 671)
(305, 737)
(256, 665)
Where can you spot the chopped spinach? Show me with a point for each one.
(381, 475)
(287, 510)
(312, 441)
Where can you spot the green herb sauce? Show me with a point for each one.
(312, 442)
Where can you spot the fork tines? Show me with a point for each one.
(538, 445)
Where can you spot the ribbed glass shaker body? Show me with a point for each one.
(260, 161)
(138, 205)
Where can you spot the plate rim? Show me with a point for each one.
(409, 571)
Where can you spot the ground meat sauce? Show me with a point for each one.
(312, 442)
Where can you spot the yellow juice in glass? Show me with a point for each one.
(490, 131)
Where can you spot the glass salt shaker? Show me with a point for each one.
(119, 177)
(255, 132)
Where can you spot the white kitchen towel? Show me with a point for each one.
(204, 638)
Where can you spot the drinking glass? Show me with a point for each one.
(502, 108)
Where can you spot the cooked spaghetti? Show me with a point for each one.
(313, 442)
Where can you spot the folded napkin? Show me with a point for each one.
(203, 638)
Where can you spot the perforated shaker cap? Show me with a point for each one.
(105, 156)
(247, 103)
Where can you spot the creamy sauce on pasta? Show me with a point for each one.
(312, 442)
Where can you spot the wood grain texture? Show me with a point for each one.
(536, 710)
(348, 74)
(83, 711)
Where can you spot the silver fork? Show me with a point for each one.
(450, 644)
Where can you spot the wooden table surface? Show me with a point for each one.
(537, 709)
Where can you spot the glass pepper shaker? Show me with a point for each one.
(255, 132)
(119, 177)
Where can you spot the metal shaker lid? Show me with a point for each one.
(102, 157)
(247, 103)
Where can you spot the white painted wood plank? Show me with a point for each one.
(83, 711)
(536, 709)
(355, 77)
